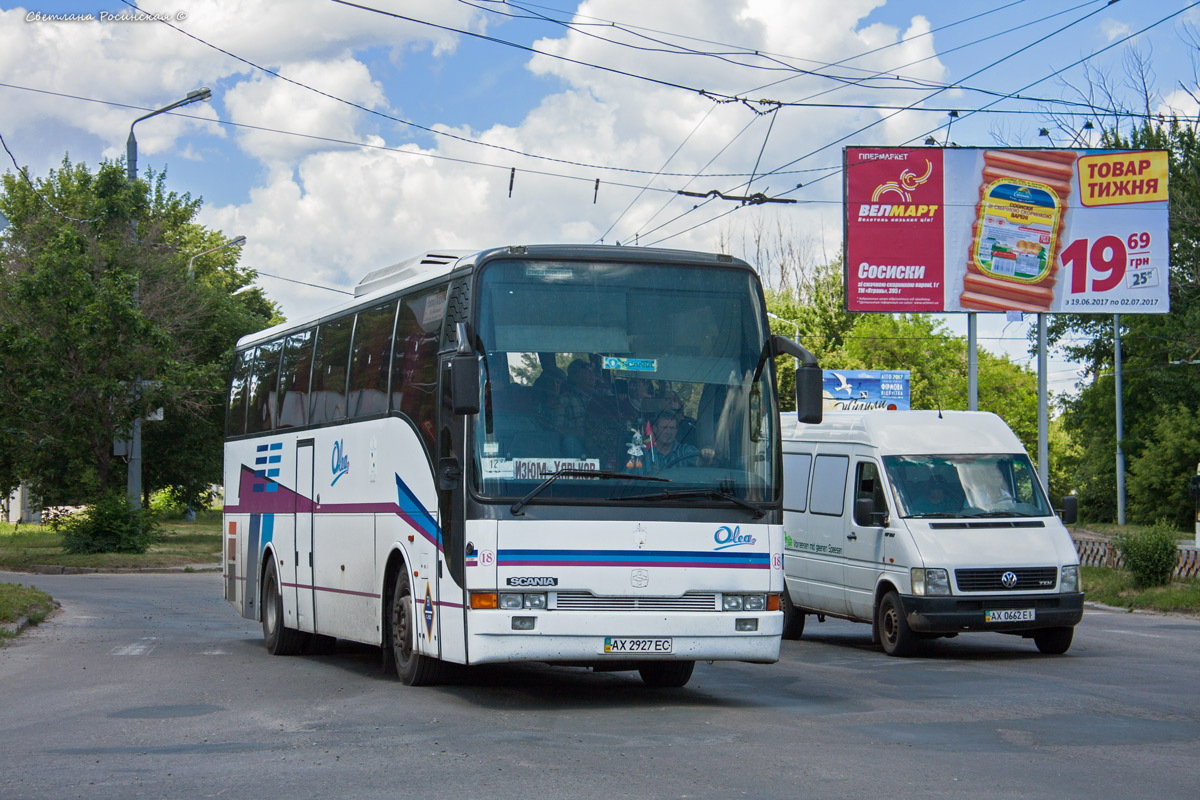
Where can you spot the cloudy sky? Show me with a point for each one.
(342, 137)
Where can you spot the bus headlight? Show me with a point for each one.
(930, 582)
(744, 602)
(535, 600)
(755, 602)
(1070, 579)
(512, 600)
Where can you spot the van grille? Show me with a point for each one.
(1029, 579)
(586, 601)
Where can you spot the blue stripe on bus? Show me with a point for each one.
(417, 515)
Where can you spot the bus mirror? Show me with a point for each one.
(1194, 488)
(1070, 510)
(809, 398)
(449, 474)
(809, 401)
(464, 383)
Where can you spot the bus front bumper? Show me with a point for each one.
(563, 637)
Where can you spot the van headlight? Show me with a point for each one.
(930, 582)
(1069, 583)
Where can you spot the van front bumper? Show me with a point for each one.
(967, 613)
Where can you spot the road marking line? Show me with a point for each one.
(137, 648)
(1135, 633)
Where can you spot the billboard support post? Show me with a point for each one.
(972, 362)
(1043, 406)
(1120, 421)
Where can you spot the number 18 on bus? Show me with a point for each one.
(565, 454)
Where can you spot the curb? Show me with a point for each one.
(14, 628)
(54, 569)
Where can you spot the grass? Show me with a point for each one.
(18, 601)
(1114, 587)
(183, 543)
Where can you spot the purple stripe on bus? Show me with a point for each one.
(708, 564)
(284, 501)
(329, 589)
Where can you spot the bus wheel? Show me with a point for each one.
(894, 634)
(412, 668)
(667, 674)
(1054, 641)
(793, 617)
(281, 640)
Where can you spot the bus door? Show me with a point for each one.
(305, 612)
(451, 466)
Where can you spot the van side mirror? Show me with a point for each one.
(1194, 488)
(864, 513)
(1070, 510)
(464, 374)
(809, 401)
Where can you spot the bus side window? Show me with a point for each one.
(235, 417)
(415, 360)
(369, 359)
(264, 376)
(327, 400)
(293, 380)
(795, 482)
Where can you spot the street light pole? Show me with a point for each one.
(234, 242)
(133, 485)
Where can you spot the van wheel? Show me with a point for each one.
(793, 617)
(412, 668)
(667, 674)
(894, 634)
(280, 639)
(1054, 641)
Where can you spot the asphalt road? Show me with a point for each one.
(151, 686)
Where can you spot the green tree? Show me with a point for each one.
(100, 327)
(1159, 477)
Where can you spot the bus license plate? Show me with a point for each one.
(1010, 615)
(613, 644)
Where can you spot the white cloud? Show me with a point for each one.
(342, 213)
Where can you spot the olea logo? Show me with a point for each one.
(726, 538)
(341, 461)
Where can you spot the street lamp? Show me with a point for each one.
(133, 486)
(237, 241)
(197, 96)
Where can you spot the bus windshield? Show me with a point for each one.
(996, 485)
(648, 370)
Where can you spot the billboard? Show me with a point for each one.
(865, 389)
(929, 229)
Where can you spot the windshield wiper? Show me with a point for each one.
(714, 494)
(571, 472)
(1000, 514)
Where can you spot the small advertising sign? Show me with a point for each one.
(1028, 230)
(866, 389)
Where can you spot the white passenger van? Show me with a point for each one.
(924, 524)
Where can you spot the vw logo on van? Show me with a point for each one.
(1009, 579)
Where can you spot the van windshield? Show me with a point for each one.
(1003, 485)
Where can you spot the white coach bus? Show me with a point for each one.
(567, 454)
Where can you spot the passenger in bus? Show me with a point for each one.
(546, 391)
(571, 410)
(667, 451)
